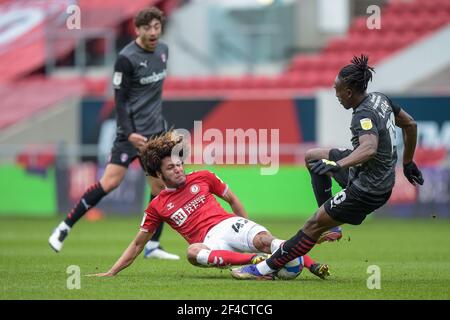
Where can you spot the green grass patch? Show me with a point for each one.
(413, 256)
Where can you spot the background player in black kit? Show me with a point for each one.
(371, 166)
(138, 78)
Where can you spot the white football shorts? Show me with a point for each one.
(234, 234)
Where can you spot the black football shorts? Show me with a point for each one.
(352, 205)
(123, 152)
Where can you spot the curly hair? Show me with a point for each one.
(145, 16)
(158, 148)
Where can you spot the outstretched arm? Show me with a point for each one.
(409, 132)
(134, 249)
(235, 204)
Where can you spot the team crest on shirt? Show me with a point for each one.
(195, 189)
(163, 57)
(170, 206)
(366, 123)
(123, 157)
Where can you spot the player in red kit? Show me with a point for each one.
(216, 238)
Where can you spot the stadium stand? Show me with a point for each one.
(36, 94)
(403, 23)
(29, 54)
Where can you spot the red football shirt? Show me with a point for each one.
(192, 210)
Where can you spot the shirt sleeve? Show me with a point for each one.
(217, 186)
(365, 122)
(395, 107)
(151, 220)
(123, 71)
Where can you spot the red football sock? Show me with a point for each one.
(222, 258)
(308, 261)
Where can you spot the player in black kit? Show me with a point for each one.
(368, 170)
(138, 78)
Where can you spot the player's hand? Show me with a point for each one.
(323, 166)
(137, 140)
(412, 173)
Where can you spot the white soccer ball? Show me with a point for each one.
(291, 270)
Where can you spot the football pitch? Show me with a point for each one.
(413, 257)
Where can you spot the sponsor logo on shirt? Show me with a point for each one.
(155, 77)
(181, 215)
(195, 204)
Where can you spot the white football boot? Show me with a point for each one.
(57, 237)
(156, 252)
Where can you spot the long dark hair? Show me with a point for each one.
(357, 74)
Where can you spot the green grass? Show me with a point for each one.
(414, 257)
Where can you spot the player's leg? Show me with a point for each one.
(299, 245)
(200, 255)
(228, 245)
(122, 154)
(153, 249)
(348, 206)
(322, 184)
(303, 241)
(265, 242)
(110, 180)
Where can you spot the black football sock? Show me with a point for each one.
(90, 198)
(321, 185)
(297, 246)
(157, 233)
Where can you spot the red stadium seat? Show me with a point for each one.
(401, 25)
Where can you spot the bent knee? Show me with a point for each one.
(262, 241)
(192, 252)
(316, 154)
(309, 156)
(110, 183)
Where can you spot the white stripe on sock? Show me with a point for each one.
(202, 257)
(276, 243)
(263, 268)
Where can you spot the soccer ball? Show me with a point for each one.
(291, 270)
